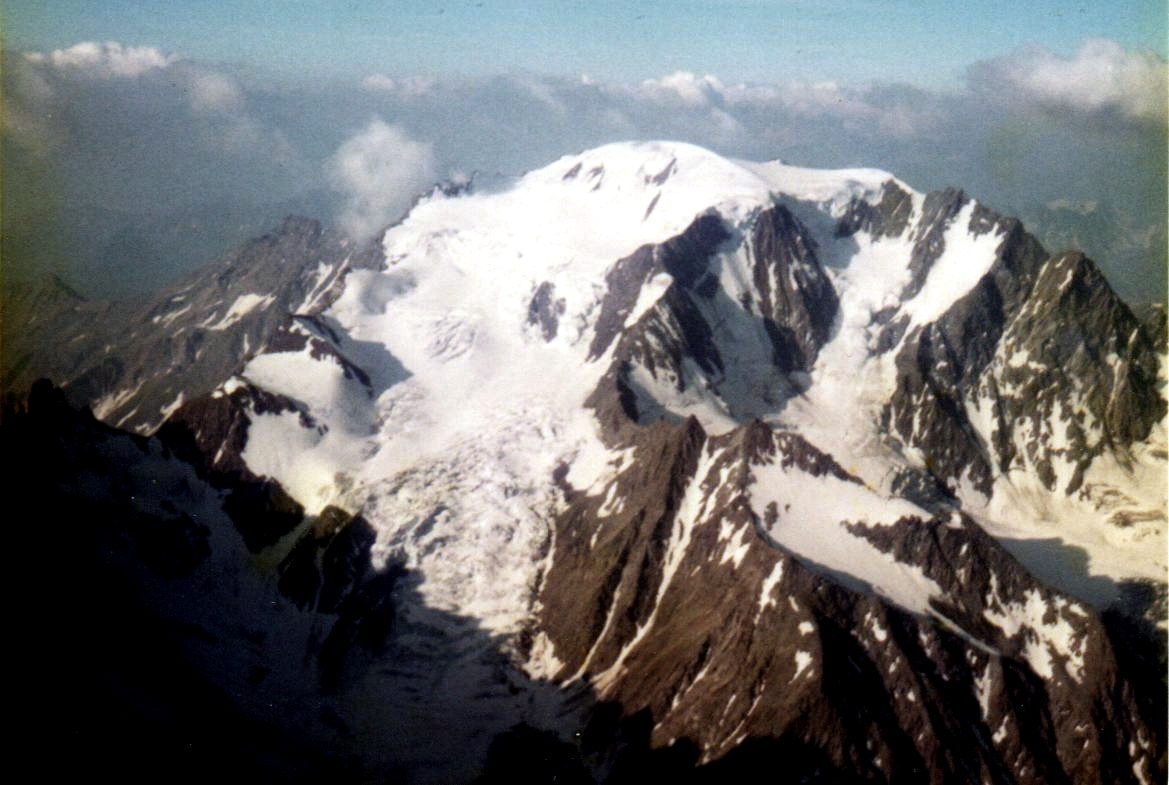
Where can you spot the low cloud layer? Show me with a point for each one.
(378, 172)
(1101, 76)
(117, 133)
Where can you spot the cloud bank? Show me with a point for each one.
(108, 59)
(118, 133)
(1100, 77)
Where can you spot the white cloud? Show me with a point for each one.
(377, 82)
(218, 104)
(686, 87)
(408, 86)
(108, 59)
(792, 99)
(819, 98)
(541, 89)
(214, 93)
(378, 172)
(1100, 76)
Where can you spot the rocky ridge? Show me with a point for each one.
(134, 363)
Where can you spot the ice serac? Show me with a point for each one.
(652, 461)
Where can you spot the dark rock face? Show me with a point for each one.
(324, 564)
(720, 653)
(329, 570)
(796, 299)
(1076, 697)
(940, 208)
(680, 658)
(1077, 329)
(685, 257)
(210, 434)
(49, 329)
(671, 331)
(1029, 311)
(694, 662)
(696, 334)
(924, 490)
(1152, 316)
(889, 217)
(629, 558)
(138, 706)
(545, 311)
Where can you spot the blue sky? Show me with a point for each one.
(927, 44)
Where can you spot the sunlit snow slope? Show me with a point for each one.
(484, 324)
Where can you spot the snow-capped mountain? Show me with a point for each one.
(654, 458)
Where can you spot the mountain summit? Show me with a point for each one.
(651, 458)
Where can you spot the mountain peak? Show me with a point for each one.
(707, 448)
(647, 167)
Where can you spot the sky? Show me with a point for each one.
(927, 43)
(141, 139)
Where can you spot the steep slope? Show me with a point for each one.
(687, 600)
(134, 363)
(722, 446)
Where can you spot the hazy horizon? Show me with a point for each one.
(140, 141)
